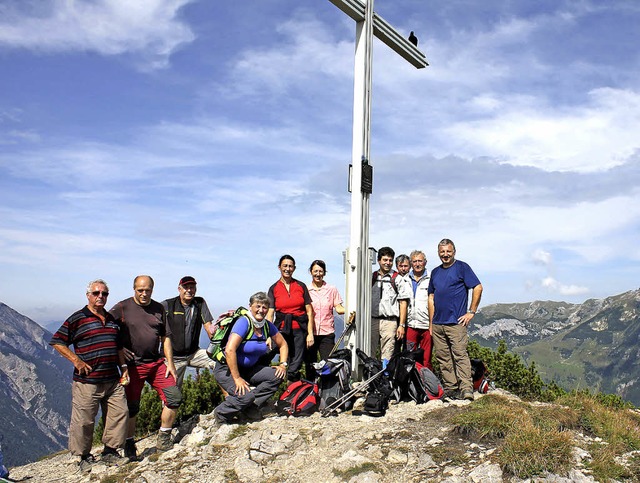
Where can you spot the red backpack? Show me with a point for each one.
(299, 399)
(479, 373)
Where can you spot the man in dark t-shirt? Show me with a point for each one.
(144, 328)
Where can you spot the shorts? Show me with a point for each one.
(153, 373)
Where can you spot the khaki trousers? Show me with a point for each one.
(198, 359)
(450, 346)
(383, 334)
(85, 401)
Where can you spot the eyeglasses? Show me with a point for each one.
(95, 293)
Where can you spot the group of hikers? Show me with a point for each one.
(141, 340)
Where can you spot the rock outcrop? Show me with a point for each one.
(411, 443)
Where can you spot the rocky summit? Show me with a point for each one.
(411, 443)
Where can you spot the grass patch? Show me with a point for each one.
(533, 437)
(204, 442)
(604, 466)
(112, 479)
(448, 453)
(490, 417)
(355, 470)
(634, 466)
(237, 432)
(530, 450)
(231, 476)
(617, 426)
(556, 417)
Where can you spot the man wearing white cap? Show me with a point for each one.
(186, 315)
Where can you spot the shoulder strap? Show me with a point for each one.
(265, 328)
(394, 275)
(374, 279)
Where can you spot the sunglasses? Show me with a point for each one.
(95, 293)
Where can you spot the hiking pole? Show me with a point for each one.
(347, 330)
(331, 408)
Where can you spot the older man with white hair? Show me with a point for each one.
(94, 333)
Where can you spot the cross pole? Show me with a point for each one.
(358, 255)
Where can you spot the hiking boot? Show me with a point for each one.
(130, 450)
(467, 396)
(86, 462)
(252, 413)
(451, 395)
(164, 442)
(220, 419)
(110, 456)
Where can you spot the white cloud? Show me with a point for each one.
(150, 29)
(558, 288)
(541, 257)
(593, 137)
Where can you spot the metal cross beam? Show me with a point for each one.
(357, 260)
(385, 32)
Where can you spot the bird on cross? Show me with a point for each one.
(413, 39)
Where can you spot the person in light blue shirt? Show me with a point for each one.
(250, 339)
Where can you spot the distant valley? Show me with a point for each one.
(594, 345)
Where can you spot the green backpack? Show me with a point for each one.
(220, 337)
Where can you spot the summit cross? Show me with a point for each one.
(358, 256)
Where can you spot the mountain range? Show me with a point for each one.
(593, 345)
(35, 390)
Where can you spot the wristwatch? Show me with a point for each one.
(472, 312)
(284, 363)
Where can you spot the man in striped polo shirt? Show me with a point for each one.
(96, 356)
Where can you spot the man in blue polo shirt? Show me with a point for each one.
(449, 318)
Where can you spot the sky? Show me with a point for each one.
(188, 137)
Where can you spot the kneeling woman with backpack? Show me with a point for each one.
(241, 367)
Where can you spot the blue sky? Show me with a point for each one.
(184, 137)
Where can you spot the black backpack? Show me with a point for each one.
(375, 404)
(404, 377)
(377, 399)
(334, 374)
